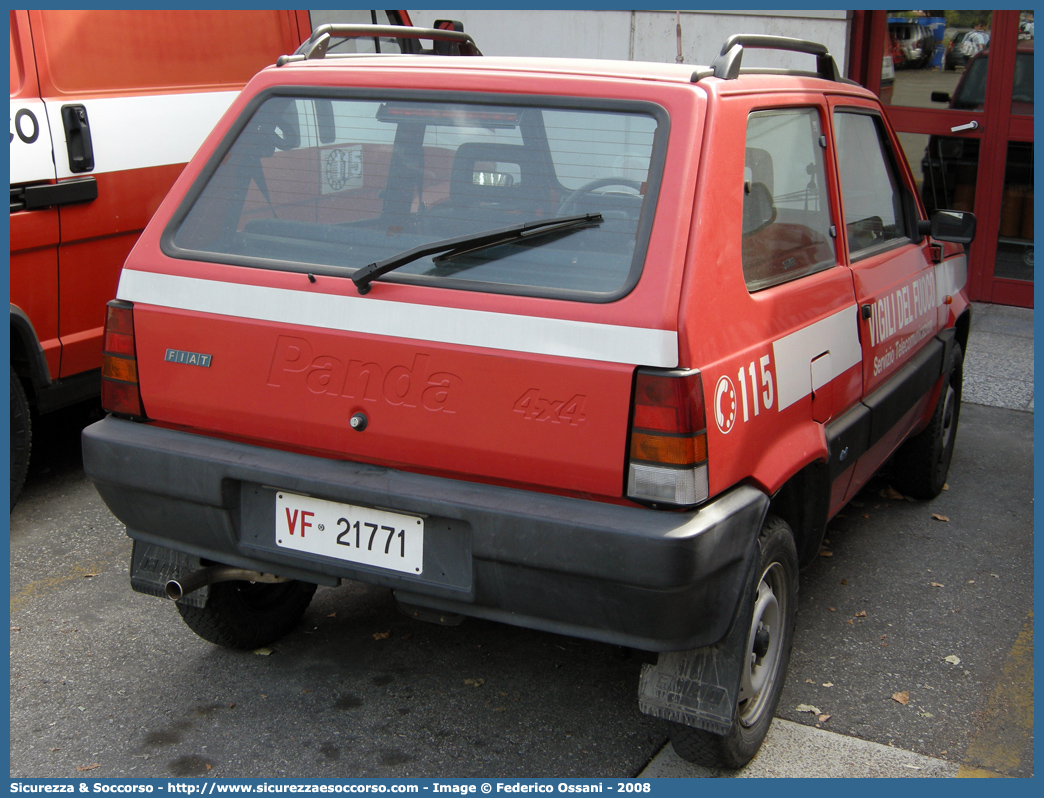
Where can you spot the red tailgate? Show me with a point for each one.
(516, 417)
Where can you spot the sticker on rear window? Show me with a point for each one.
(342, 169)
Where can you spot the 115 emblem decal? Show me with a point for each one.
(760, 395)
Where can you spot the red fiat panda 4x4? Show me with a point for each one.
(596, 348)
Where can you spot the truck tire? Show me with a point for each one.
(920, 467)
(21, 437)
(247, 615)
(768, 645)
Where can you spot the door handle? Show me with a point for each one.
(973, 125)
(78, 138)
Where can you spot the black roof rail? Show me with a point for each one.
(727, 65)
(445, 41)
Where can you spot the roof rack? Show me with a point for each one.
(450, 40)
(727, 65)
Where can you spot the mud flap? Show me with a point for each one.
(700, 687)
(153, 566)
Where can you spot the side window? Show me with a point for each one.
(786, 207)
(870, 188)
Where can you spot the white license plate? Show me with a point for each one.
(346, 532)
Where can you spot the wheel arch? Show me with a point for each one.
(27, 355)
(963, 328)
(804, 503)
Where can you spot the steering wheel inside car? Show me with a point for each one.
(570, 205)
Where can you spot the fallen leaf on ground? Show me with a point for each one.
(891, 493)
(940, 517)
(903, 697)
(824, 718)
(332, 615)
(82, 768)
(809, 681)
(861, 614)
(825, 553)
(264, 652)
(88, 576)
(852, 622)
(832, 609)
(953, 659)
(474, 682)
(946, 486)
(828, 684)
(382, 635)
(808, 708)
(16, 628)
(937, 584)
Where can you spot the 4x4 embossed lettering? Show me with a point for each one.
(293, 362)
(534, 407)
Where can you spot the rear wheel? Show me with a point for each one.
(922, 463)
(247, 615)
(769, 640)
(21, 437)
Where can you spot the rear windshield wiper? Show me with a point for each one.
(472, 243)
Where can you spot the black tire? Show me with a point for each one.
(247, 615)
(21, 437)
(920, 467)
(775, 605)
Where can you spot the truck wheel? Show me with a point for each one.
(768, 653)
(248, 614)
(21, 437)
(922, 463)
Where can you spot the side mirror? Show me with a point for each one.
(940, 97)
(956, 227)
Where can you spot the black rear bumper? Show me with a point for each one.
(644, 578)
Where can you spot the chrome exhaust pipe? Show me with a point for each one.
(177, 588)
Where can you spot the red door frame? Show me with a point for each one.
(997, 126)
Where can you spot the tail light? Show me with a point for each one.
(120, 393)
(668, 441)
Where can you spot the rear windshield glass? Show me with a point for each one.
(328, 185)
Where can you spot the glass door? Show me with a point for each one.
(959, 91)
